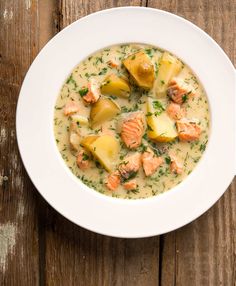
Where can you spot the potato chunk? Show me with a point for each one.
(141, 69)
(87, 141)
(161, 127)
(115, 85)
(104, 109)
(105, 148)
(169, 66)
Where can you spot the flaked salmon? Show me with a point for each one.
(106, 131)
(175, 166)
(132, 129)
(151, 162)
(113, 63)
(83, 160)
(93, 92)
(175, 111)
(130, 185)
(179, 91)
(188, 130)
(113, 181)
(130, 166)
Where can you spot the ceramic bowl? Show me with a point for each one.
(50, 175)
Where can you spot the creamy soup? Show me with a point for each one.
(131, 121)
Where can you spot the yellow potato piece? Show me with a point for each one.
(169, 66)
(106, 149)
(87, 141)
(141, 68)
(104, 109)
(115, 85)
(161, 127)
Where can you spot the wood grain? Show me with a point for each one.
(18, 216)
(203, 253)
(40, 247)
(75, 256)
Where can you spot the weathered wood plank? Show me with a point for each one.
(80, 257)
(73, 10)
(18, 216)
(48, 20)
(75, 256)
(203, 253)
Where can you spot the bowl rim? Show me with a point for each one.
(97, 197)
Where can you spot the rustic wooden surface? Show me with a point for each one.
(40, 247)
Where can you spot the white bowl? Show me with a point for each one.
(50, 175)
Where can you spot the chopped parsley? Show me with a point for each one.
(129, 176)
(70, 80)
(58, 108)
(158, 106)
(113, 97)
(203, 146)
(85, 157)
(185, 96)
(83, 91)
(89, 75)
(149, 52)
(135, 191)
(149, 113)
(156, 69)
(142, 148)
(125, 109)
(168, 160)
(98, 59)
(103, 71)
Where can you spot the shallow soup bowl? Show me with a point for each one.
(53, 179)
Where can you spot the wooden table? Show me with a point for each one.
(40, 247)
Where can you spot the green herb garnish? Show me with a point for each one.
(168, 160)
(103, 71)
(85, 157)
(203, 146)
(158, 106)
(185, 96)
(83, 91)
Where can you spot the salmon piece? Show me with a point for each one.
(113, 181)
(175, 166)
(130, 166)
(106, 131)
(113, 63)
(175, 111)
(83, 160)
(130, 185)
(132, 129)
(188, 130)
(179, 91)
(93, 93)
(70, 108)
(151, 162)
